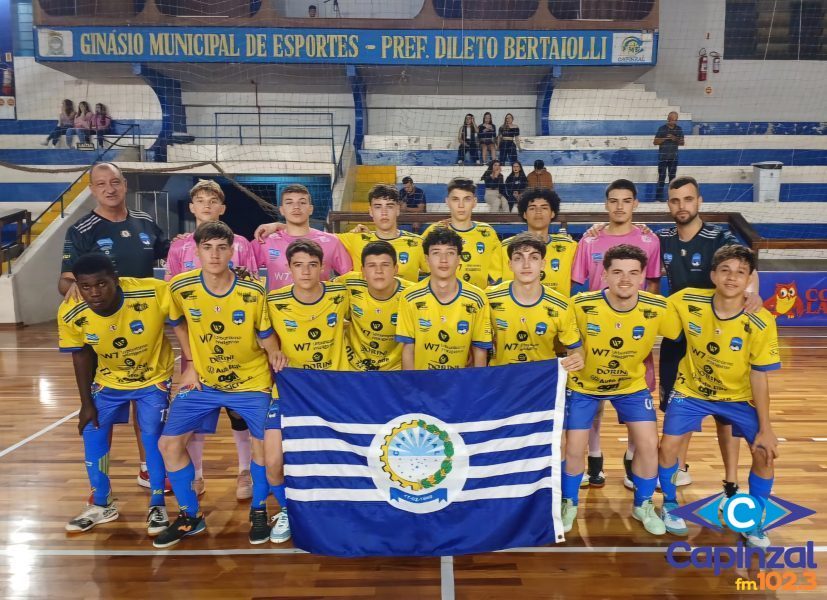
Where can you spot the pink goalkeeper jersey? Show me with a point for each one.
(588, 260)
(273, 255)
(182, 256)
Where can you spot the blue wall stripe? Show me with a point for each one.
(31, 192)
(618, 158)
(718, 192)
(649, 127)
(46, 156)
(762, 128)
(611, 127)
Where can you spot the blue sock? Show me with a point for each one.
(644, 488)
(571, 485)
(96, 456)
(760, 488)
(182, 486)
(261, 489)
(667, 482)
(156, 468)
(279, 494)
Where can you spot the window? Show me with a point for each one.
(92, 8)
(349, 9)
(208, 8)
(601, 10)
(793, 31)
(486, 9)
(23, 32)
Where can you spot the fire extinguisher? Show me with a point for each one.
(716, 61)
(703, 64)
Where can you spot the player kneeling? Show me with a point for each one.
(723, 374)
(619, 326)
(224, 315)
(119, 326)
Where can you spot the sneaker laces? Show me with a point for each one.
(157, 514)
(280, 519)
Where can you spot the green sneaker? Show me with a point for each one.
(569, 513)
(645, 513)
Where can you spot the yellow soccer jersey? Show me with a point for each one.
(721, 352)
(560, 251)
(443, 334)
(222, 332)
(132, 350)
(371, 337)
(409, 254)
(526, 333)
(312, 336)
(616, 343)
(480, 255)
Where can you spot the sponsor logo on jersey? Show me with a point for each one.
(357, 310)
(713, 348)
(290, 324)
(696, 259)
(424, 324)
(541, 329)
(394, 318)
(667, 258)
(273, 253)
(188, 294)
(403, 258)
(616, 343)
(735, 344)
(694, 329)
(480, 247)
(589, 309)
(145, 240)
(649, 313)
(597, 256)
(92, 339)
(195, 314)
(125, 233)
(462, 327)
(695, 310)
(239, 317)
(332, 319)
(592, 329)
(248, 298)
(137, 327)
(555, 264)
(502, 324)
(105, 244)
(637, 332)
(188, 264)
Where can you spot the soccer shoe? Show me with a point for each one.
(674, 525)
(93, 515)
(645, 513)
(682, 477)
(569, 513)
(584, 483)
(627, 478)
(280, 531)
(156, 520)
(183, 526)
(143, 481)
(259, 528)
(244, 486)
(198, 486)
(596, 476)
(756, 538)
(730, 489)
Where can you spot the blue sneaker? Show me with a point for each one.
(674, 525)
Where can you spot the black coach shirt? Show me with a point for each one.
(688, 264)
(133, 244)
(668, 150)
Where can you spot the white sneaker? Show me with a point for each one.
(645, 513)
(628, 483)
(280, 531)
(156, 520)
(756, 538)
(93, 515)
(682, 477)
(674, 525)
(569, 514)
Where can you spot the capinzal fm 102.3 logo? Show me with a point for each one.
(741, 513)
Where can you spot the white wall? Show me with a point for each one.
(40, 91)
(443, 115)
(744, 90)
(352, 9)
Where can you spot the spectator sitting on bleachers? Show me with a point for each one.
(515, 184)
(467, 139)
(487, 137)
(311, 11)
(82, 126)
(495, 188)
(64, 122)
(411, 197)
(509, 137)
(101, 122)
(539, 178)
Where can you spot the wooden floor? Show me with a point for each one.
(607, 556)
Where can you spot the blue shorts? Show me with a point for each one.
(685, 414)
(152, 403)
(581, 408)
(273, 415)
(197, 411)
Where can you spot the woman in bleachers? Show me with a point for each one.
(515, 184)
(82, 125)
(509, 139)
(495, 188)
(487, 137)
(467, 139)
(64, 122)
(101, 122)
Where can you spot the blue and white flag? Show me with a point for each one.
(416, 463)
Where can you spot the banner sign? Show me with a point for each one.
(7, 100)
(796, 298)
(345, 46)
(423, 463)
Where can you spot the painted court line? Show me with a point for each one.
(446, 571)
(34, 436)
(89, 552)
